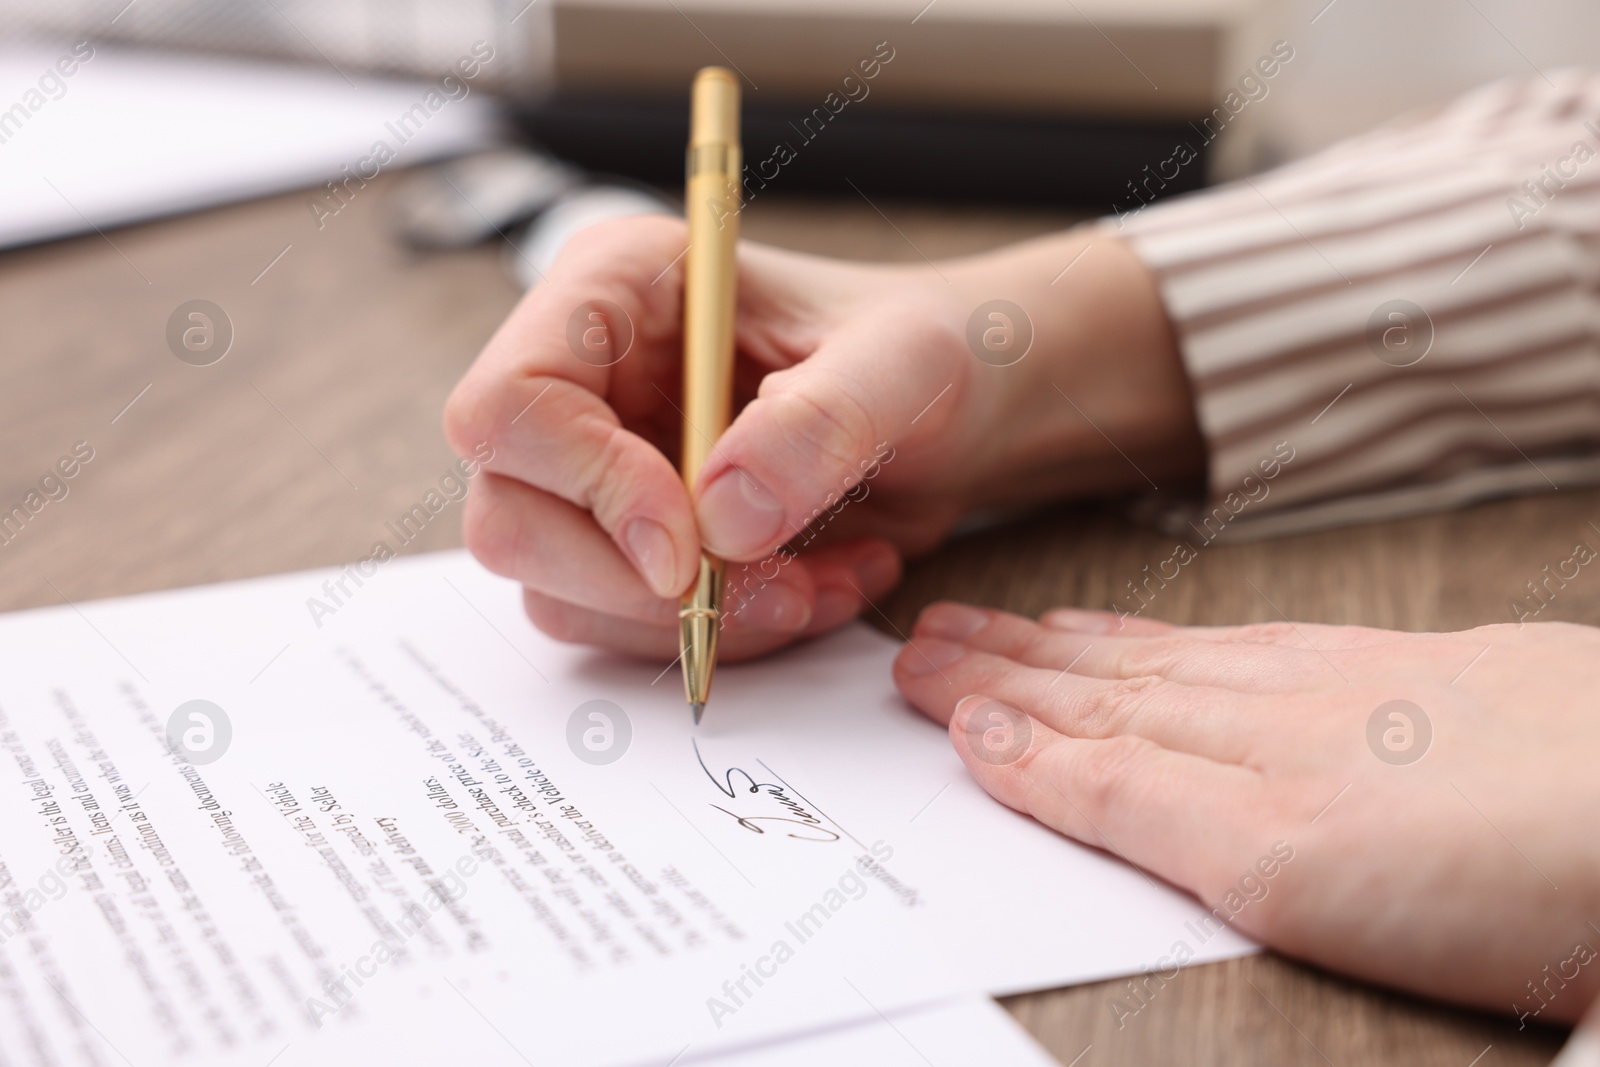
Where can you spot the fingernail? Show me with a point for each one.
(1083, 622)
(777, 608)
(995, 733)
(957, 622)
(738, 516)
(925, 656)
(834, 606)
(651, 551)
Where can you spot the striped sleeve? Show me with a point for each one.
(1405, 322)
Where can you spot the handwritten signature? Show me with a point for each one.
(736, 781)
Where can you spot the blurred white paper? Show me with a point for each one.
(402, 823)
(957, 1033)
(132, 134)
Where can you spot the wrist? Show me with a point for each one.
(1101, 403)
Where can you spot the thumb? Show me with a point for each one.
(817, 429)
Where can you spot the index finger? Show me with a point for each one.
(542, 402)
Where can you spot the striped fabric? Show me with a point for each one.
(1403, 323)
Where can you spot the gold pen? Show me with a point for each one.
(711, 203)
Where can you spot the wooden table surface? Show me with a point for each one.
(323, 421)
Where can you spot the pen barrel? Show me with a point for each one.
(712, 204)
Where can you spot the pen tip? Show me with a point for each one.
(699, 708)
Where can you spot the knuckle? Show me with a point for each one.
(1104, 770)
(1037, 645)
(834, 429)
(926, 327)
(1508, 631)
(1148, 656)
(607, 480)
(1539, 631)
(1267, 633)
(491, 533)
(468, 415)
(1106, 708)
(484, 410)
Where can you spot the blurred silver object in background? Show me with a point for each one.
(414, 37)
(467, 200)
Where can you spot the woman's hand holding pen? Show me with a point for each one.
(1237, 763)
(845, 372)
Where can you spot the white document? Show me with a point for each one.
(133, 134)
(958, 1033)
(406, 826)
